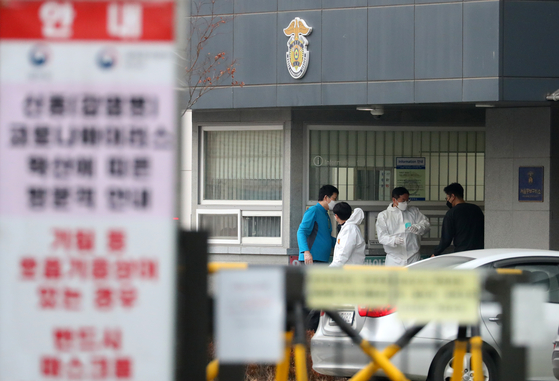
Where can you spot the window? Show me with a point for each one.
(242, 164)
(233, 226)
(361, 163)
(241, 187)
(261, 227)
(223, 226)
(544, 274)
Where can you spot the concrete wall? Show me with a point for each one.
(361, 52)
(530, 49)
(517, 137)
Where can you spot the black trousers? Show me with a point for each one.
(313, 316)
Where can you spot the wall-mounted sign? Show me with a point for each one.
(530, 184)
(297, 56)
(410, 174)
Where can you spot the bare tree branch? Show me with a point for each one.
(206, 70)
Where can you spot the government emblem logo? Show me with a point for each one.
(297, 56)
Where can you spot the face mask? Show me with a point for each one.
(402, 205)
(331, 204)
(449, 204)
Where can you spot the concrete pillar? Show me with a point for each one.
(296, 180)
(518, 137)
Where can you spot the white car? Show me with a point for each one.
(429, 354)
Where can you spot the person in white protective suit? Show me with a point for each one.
(350, 245)
(399, 230)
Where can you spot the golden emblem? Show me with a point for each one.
(297, 56)
(530, 177)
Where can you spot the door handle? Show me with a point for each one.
(496, 319)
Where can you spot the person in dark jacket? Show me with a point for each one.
(463, 223)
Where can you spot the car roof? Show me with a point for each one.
(481, 257)
(484, 253)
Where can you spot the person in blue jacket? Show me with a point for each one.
(315, 232)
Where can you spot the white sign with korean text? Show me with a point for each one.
(250, 316)
(87, 132)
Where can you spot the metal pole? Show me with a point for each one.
(192, 323)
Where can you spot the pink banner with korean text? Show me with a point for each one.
(87, 190)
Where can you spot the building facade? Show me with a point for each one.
(370, 95)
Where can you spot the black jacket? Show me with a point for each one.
(464, 224)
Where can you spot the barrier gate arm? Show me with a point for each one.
(366, 373)
(379, 358)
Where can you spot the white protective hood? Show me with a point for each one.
(350, 245)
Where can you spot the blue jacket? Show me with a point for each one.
(315, 234)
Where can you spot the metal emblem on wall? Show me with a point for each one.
(297, 56)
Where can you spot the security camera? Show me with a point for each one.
(377, 111)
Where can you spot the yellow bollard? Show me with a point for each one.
(282, 369)
(301, 362)
(460, 348)
(212, 370)
(477, 357)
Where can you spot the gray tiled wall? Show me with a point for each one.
(389, 51)
(344, 45)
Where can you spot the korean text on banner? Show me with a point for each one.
(87, 131)
(418, 295)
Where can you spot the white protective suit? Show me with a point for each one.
(391, 224)
(350, 245)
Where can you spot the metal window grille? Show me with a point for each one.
(243, 165)
(361, 163)
(261, 226)
(220, 226)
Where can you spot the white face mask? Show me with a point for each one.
(402, 205)
(331, 204)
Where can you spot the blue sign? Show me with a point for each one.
(410, 163)
(530, 184)
(410, 174)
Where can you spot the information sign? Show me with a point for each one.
(250, 316)
(418, 295)
(87, 125)
(410, 174)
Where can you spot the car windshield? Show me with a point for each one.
(441, 262)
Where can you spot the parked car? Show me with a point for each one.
(429, 354)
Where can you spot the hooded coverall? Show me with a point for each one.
(391, 224)
(350, 245)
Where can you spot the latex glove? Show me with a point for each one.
(413, 229)
(399, 241)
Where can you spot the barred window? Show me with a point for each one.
(243, 164)
(362, 163)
